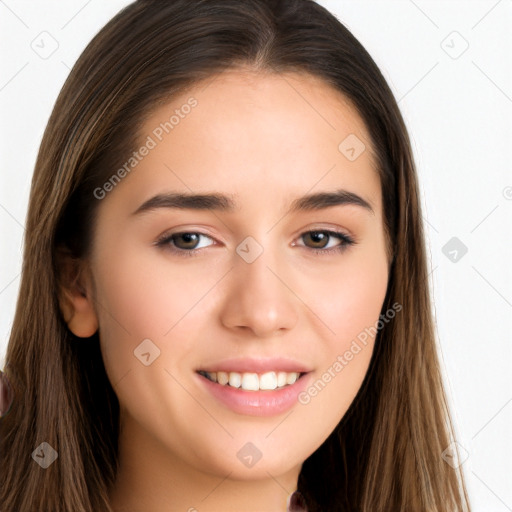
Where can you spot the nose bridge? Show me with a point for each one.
(257, 297)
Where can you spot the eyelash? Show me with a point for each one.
(164, 242)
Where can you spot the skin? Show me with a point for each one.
(266, 139)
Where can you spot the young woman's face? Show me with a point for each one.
(237, 285)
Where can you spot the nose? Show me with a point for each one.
(259, 297)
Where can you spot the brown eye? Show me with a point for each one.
(185, 243)
(189, 240)
(319, 238)
(318, 241)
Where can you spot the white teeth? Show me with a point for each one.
(252, 381)
(235, 379)
(268, 380)
(281, 379)
(291, 377)
(222, 378)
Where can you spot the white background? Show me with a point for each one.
(458, 108)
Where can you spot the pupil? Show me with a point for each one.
(317, 235)
(189, 238)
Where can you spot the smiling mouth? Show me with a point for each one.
(249, 381)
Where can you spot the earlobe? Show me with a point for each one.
(79, 314)
(76, 297)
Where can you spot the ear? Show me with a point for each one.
(76, 294)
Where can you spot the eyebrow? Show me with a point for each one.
(225, 203)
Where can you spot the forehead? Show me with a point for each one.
(246, 131)
(284, 109)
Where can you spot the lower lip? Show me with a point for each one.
(257, 403)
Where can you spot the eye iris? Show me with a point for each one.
(318, 236)
(190, 238)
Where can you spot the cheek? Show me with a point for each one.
(141, 298)
(349, 297)
(350, 306)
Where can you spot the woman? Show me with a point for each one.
(290, 361)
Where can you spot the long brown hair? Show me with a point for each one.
(386, 453)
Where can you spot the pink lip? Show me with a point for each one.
(244, 365)
(257, 403)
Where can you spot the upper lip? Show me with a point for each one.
(245, 365)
